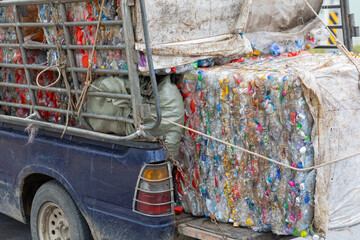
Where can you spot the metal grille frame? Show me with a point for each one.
(132, 72)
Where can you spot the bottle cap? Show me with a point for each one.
(249, 222)
(316, 237)
(303, 234)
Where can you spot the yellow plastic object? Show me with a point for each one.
(249, 222)
(303, 234)
(257, 52)
(156, 173)
(308, 47)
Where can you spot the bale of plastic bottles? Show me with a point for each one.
(257, 104)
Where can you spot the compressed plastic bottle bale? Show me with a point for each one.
(265, 112)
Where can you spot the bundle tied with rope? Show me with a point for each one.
(207, 147)
(317, 166)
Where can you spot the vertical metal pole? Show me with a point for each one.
(151, 66)
(346, 24)
(70, 52)
(131, 63)
(24, 56)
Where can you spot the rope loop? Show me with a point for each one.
(57, 67)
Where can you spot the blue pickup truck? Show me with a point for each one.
(86, 184)
(71, 185)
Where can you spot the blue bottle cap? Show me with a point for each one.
(300, 165)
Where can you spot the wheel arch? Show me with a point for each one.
(31, 178)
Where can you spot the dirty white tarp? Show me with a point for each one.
(280, 21)
(183, 31)
(333, 94)
(279, 15)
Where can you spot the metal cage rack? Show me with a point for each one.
(132, 72)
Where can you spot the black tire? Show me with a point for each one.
(53, 194)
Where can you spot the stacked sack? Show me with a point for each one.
(259, 108)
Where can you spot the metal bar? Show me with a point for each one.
(352, 25)
(154, 204)
(60, 128)
(131, 62)
(93, 23)
(66, 47)
(67, 24)
(327, 46)
(68, 69)
(10, 3)
(151, 67)
(336, 26)
(24, 55)
(63, 90)
(149, 191)
(345, 21)
(330, 6)
(64, 111)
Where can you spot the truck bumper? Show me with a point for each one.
(107, 226)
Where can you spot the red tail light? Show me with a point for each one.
(154, 198)
(154, 191)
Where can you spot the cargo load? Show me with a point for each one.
(272, 27)
(280, 108)
(279, 102)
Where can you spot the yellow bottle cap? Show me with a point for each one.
(249, 222)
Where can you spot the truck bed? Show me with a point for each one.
(189, 227)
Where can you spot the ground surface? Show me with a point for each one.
(203, 228)
(11, 229)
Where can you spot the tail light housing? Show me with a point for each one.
(154, 195)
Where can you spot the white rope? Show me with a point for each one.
(57, 67)
(259, 155)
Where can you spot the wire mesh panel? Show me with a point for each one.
(51, 53)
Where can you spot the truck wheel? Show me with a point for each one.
(54, 215)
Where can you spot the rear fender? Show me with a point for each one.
(41, 169)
